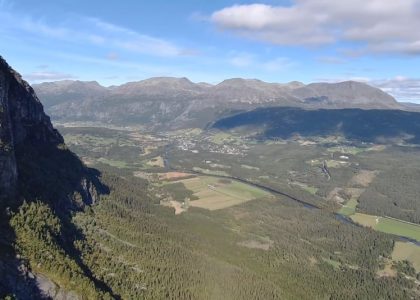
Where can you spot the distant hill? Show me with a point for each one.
(164, 102)
(382, 126)
(410, 106)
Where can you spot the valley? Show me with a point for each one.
(209, 150)
(292, 166)
(233, 207)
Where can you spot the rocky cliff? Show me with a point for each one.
(22, 121)
(31, 150)
(36, 167)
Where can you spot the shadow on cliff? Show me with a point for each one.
(54, 175)
(15, 277)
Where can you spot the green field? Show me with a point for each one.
(211, 172)
(114, 163)
(407, 251)
(388, 225)
(214, 193)
(335, 264)
(347, 150)
(349, 208)
(311, 189)
(398, 227)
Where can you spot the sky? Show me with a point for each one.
(113, 42)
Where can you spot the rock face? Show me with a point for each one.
(22, 121)
(35, 165)
(27, 137)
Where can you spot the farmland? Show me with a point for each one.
(388, 225)
(349, 208)
(205, 216)
(407, 251)
(213, 193)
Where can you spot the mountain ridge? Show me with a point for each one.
(163, 102)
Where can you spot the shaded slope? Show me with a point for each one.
(36, 167)
(355, 124)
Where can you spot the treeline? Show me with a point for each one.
(39, 238)
(394, 193)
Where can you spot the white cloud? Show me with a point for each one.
(379, 25)
(83, 30)
(47, 75)
(278, 64)
(242, 60)
(401, 87)
(251, 61)
(345, 78)
(334, 60)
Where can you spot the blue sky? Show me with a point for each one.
(112, 42)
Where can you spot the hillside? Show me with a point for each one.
(378, 126)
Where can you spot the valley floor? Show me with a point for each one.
(181, 222)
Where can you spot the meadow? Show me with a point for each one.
(213, 193)
(388, 225)
(407, 251)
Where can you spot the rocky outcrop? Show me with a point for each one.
(8, 169)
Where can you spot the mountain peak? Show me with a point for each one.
(159, 86)
(240, 82)
(346, 94)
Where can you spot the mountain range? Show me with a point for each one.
(166, 102)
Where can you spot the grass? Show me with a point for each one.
(156, 162)
(349, 208)
(337, 163)
(335, 264)
(310, 189)
(330, 163)
(114, 163)
(220, 137)
(347, 150)
(250, 167)
(214, 193)
(211, 172)
(388, 225)
(401, 228)
(407, 251)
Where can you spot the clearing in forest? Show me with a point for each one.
(388, 225)
(171, 176)
(156, 162)
(407, 251)
(364, 178)
(215, 193)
